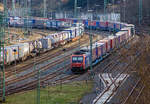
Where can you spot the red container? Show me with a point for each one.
(99, 46)
(92, 23)
(103, 24)
(105, 45)
(112, 41)
(107, 42)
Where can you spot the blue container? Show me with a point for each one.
(75, 21)
(97, 24)
(86, 23)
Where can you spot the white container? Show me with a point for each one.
(46, 43)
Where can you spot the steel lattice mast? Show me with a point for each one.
(105, 5)
(75, 8)
(45, 9)
(140, 11)
(124, 10)
(27, 14)
(3, 24)
(105, 10)
(38, 86)
(13, 7)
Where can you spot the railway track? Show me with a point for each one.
(30, 74)
(40, 59)
(56, 76)
(135, 92)
(115, 68)
(33, 83)
(29, 84)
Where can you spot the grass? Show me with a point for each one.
(69, 94)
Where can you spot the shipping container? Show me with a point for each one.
(98, 50)
(98, 24)
(24, 50)
(13, 53)
(117, 26)
(86, 24)
(119, 38)
(46, 43)
(128, 31)
(8, 57)
(16, 21)
(107, 42)
(103, 25)
(48, 24)
(112, 41)
(103, 45)
(111, 26)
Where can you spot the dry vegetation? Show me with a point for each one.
(144, 71)
(140, 70)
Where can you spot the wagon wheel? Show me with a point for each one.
(24, 58)
(9, 63)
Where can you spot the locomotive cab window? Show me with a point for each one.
(77, 59)
(80, 59)
(74, 59)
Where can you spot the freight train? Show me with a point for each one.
(22, 51)
(45, 23)
(54, 40)
(80, 60)
(35, 22)
(97, 24)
